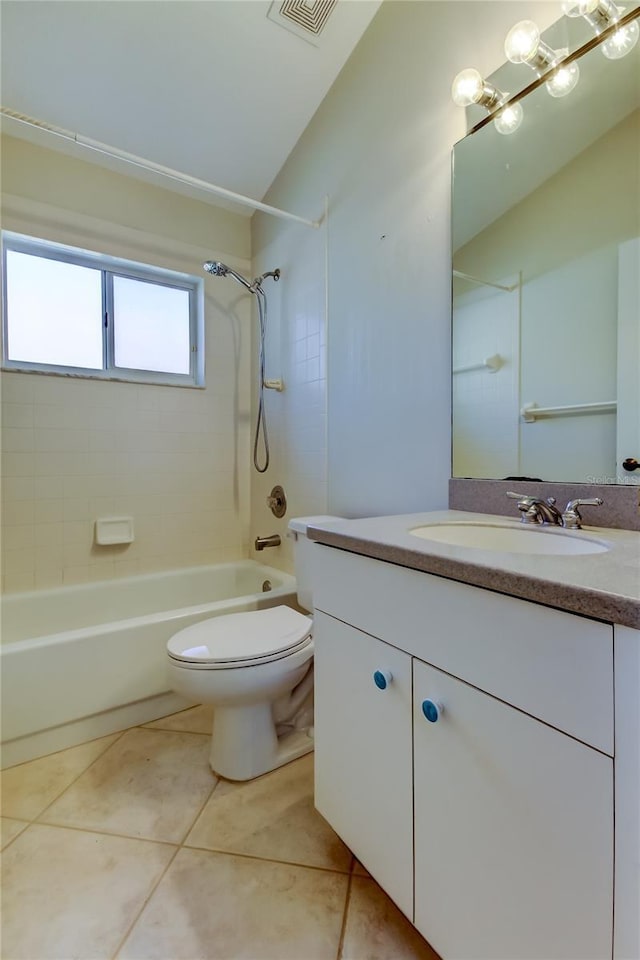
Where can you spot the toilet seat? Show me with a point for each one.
(241, 639)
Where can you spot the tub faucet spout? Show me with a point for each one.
(272, 541)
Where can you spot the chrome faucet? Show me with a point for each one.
(571, 516)
(535, 510)
(272, 541)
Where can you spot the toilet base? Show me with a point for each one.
(244, 744)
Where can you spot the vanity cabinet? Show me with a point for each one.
(477, 787)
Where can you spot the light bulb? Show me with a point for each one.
(467, 87)
(522, 42)
(509, 119)
(579, 8)
(622, 41)
(563, 80)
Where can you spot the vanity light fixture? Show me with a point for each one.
(470, 87)
(600, 15)
(524, 45)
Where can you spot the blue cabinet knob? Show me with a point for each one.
(432, 709)
(382, 679)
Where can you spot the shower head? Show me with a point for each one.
(216, 268)
(222, 270)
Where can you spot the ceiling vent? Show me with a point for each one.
(306, 18)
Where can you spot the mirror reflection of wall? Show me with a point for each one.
(551, 215)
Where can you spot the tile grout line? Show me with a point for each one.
(345, 914)
(179, 847)
(103, 833)
(73, 746)
(191, 733)
(148, 897)
(110, 833)
(82, 772)
(215, 786)
(253, 856)
(27, 824)
(33, 820)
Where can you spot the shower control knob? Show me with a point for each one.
(277, 502)
(382, 679)
(630, 464)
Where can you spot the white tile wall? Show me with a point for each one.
(295, 351)
(175, 459)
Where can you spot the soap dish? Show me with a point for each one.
(110, 530)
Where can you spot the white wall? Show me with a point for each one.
(176, 459)
(379, 148)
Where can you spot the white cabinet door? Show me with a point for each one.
(363, 751)
(513, 831)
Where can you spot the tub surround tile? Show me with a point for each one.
(220, 907)
(29, 788)
(271, 817)
(10, 829)
(194, 720)
(150, 784)
(377, 930)
(67, 893)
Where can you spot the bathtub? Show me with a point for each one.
(81, 662)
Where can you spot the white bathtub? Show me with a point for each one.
(80, 662)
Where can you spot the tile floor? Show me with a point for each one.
(129, 847)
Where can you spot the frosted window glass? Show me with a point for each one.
(54, 312)
(151, 324)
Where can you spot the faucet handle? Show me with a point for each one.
(529, 497)
(536, 510)
(527, 505)
(520, 496)
(571, 516)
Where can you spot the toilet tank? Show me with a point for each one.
(302, 555)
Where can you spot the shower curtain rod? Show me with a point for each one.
(157, 168)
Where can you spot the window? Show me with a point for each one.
(72, 311)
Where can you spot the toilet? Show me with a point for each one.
(256, 669)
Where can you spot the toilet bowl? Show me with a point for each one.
(256, 669)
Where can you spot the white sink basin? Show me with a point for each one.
(510, 539)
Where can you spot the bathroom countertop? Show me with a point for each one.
(605, 586)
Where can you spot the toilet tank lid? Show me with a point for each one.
(300, 524)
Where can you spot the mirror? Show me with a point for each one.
(546, 264)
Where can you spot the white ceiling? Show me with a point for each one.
(213, 88)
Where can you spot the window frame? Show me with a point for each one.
(110, 267)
